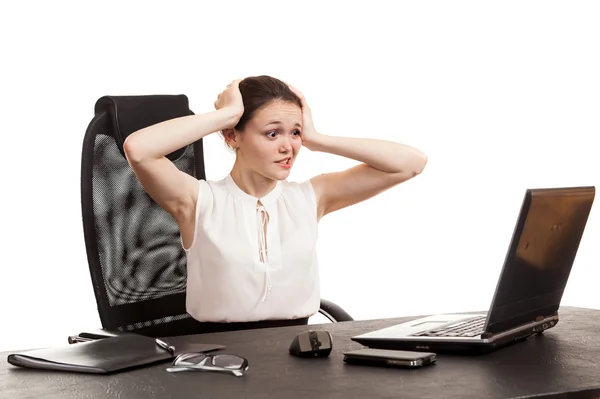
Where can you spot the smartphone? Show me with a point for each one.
(389, 358)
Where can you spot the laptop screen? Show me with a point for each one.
(541, 254)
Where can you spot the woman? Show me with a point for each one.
(250, 238)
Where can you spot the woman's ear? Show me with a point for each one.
(230, 138)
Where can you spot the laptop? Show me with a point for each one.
(536, 268)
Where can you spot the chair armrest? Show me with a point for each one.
(333, 312)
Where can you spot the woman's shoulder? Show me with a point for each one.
(210, 191)
(299, 190)
(212, 185)
(302, 185)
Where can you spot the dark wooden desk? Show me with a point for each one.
(563, 360)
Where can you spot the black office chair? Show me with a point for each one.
(136, 262)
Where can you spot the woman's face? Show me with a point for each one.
(271, 140)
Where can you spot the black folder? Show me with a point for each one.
(101, 356)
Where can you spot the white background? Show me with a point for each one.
(501, 96)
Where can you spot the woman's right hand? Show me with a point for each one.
(231, 98)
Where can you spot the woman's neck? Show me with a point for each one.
(250, 182)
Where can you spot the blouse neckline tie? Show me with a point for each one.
(262, 219)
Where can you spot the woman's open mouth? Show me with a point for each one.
(285, 163)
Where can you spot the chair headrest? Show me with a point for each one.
(130, 113)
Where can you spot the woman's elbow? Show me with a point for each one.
(132, 150)
(419, 163)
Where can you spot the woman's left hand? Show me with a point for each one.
(309, 134)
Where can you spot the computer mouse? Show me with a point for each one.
(312, 344)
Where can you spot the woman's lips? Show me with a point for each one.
(285, 163)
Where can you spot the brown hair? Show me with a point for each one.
(258, 91)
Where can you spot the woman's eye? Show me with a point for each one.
(297, 132)
(272, 134)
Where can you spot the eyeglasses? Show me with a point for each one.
(200, 361)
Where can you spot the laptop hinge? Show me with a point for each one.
(487, 334)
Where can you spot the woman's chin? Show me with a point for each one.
(280, 173)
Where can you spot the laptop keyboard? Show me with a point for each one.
(467, 328)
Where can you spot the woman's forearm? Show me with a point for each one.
(386, 156)
(165, 137)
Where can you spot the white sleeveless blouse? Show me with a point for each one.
(236, 272)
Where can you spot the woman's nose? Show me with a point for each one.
(286, 145)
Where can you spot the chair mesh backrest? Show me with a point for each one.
(137, 263)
